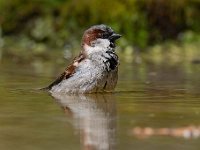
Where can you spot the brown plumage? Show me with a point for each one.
(69, 71)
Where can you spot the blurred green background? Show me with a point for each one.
(149, 27)
(158, 84)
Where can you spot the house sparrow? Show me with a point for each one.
(96, 67)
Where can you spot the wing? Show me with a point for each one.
(69, 71)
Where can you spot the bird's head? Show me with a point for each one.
(99, 37)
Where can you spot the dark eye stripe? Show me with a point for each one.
(106, 35)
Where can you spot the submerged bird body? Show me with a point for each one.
(96, 67)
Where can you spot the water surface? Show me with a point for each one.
(147, 95)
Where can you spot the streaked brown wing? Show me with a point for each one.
(69, 71)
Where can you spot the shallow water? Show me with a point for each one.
(147, 95)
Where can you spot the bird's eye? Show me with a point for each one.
(106, 35)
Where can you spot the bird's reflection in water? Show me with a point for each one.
(94, 116)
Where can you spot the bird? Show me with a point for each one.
(95, 69)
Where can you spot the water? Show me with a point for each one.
(147, 95)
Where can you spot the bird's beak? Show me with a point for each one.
(114, 37)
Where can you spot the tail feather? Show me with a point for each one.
(57, 81)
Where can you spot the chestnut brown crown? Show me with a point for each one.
(99, 32)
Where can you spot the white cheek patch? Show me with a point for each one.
(100, 45)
